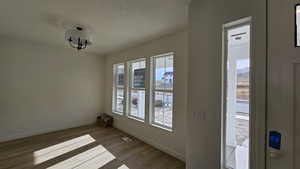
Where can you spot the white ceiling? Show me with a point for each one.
(114, 24)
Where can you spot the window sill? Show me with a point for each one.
(118, 113)
(162, 127)
(136, 119)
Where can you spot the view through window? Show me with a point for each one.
(137, 89)
(298, 25)
(118, 99)
(237, 102)
(162, 90)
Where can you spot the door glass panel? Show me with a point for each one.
(237, 101)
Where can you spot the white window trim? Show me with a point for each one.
(129, 89)
(153, 90)
(225, 28)
(115, 88)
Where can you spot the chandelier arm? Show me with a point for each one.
(83, 47)
(71, 44)
(85, 44)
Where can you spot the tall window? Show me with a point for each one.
(118, 98)
(298, 25)
(136, 93)
(237, 114)
(162, 90)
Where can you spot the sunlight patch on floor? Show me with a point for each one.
(51, 152)
(123, 167)
(91, 159)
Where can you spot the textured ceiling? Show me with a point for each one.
(114, 24)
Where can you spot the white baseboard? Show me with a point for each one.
(155, 144)
(44, 130)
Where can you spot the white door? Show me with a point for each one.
(283, 84)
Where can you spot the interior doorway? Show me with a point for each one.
(236, 91)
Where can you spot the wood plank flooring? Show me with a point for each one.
(87, 147)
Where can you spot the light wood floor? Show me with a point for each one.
(84, 147)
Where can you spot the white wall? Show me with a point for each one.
(205, 78)
(45, 88)
(170, 142)
(284, 83)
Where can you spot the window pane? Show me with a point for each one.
(168, 107)
(298, 25)
(164, 72)
(243, 67)
(118, 91)
(159, 73)
(120, 75)
(120, 100)
(163, 105)
(138, 74)
(137, 104)
(159, 108)
(168, 76)
(237, 102)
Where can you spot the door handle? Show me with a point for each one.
(274, 153)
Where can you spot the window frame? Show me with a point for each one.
(296, 26)
(225, 28)
(116, 87)
(153, 90)
(130, 89)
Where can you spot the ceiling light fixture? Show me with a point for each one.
(78, 38)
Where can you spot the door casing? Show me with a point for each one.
(253, 114)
